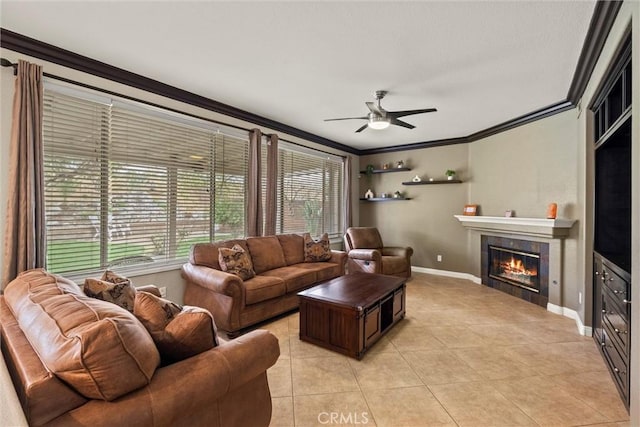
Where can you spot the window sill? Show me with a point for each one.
(129, 271)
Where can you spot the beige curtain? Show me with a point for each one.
(24, 246)
(347, 220)
(271, 187)
(254, 189)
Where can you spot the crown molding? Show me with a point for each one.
(604, 15)
(47, 52)
(502, 127)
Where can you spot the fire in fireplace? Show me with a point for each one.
(517, 268)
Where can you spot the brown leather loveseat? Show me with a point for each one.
(79, 361)
(281, 272)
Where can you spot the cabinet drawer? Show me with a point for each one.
(617, 367)
(618, 335)
(616, 286)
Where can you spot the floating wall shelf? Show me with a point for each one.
(385, 199)
(387, 170)
(444, 181)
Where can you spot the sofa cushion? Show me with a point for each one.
(236, 261)
(317, 251)
(293, 248)
(364, 237)
(121, 293)
(266, 253)
(294, 278)
(324, 270)
(262, 288)
(179, 332)
(206, 254)
(98, 348)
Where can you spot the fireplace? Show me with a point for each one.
(517, 267)
(514, 267)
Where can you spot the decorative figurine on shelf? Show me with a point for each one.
(400, 164)
(368, 194)
(416, 178)
(384, 195)
(385, 166)
(397, 195)
(552, 211)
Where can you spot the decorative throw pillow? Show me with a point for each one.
(112, 288)
(236, 261)
(111, 277)
(317, 251)
(178, 332)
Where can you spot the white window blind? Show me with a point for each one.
(125, 185)
(309, 192)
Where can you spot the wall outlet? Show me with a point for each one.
(163, 291)
(439, 258)
(579, 297)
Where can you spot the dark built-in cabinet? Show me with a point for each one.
(612, 189)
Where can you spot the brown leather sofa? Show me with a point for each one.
(367, 254)
(78, 361)
(280, 270)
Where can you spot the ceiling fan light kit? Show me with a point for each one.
(378, 123)
(379, 118)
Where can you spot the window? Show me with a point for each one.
(131, 184)
(309, 192)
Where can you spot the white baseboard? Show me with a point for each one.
(563, 311)
(571, 314)
(447, 273)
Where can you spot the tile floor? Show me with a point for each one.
(464, 355)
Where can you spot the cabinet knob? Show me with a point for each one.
(615, 291)
(616, 370)
(604, 311)
(626, 301)
(597, 273)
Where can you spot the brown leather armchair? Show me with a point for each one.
(366, 253)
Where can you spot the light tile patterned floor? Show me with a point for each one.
(464, 355)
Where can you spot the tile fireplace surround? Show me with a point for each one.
(549, 231)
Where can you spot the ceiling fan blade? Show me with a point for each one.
(410, 112)
(362, 128)
(347, 118)
(397, 122)
(375, 109)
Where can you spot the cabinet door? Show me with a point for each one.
(371, 325)
(398, 303)
(597, 298)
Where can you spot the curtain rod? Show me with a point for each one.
(6, 63)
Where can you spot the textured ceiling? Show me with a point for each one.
(479, 63)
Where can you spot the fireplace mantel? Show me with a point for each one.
(541, 227)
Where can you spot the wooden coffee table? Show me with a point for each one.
(349, 314)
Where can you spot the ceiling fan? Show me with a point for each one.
(379, 118)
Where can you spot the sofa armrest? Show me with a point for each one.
(186, 392)
(214, 280)
(365, 254)
(338, 257)
(397, 251)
